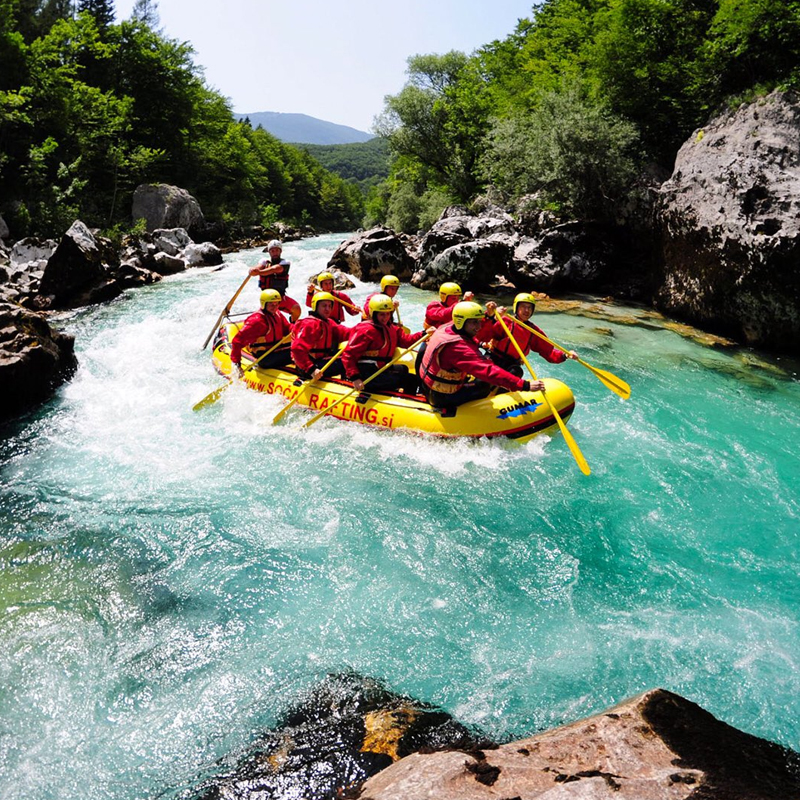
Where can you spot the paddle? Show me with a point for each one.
(225, 311)
(339, 300)
(573, 445)
(608, 379)
(303, 386)
(366, 381)
(212, 397)
(400, 322)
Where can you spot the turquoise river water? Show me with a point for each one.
(172, 579)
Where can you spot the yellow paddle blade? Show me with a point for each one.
(583, 465)
(212, 397)
(610, 381)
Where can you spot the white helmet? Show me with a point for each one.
(275, 243)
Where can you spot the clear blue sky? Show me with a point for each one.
(330, 59)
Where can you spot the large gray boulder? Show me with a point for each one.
(465, 247)
(204, 254)
(371, 254)
(3, 228)
(163, 206)
(34, 359)
(80, 271)
(572, 256)
(730, 217)
(475, 265)
(657, 746)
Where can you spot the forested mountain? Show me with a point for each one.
(363, 163)
(573, 105)
(302, 129)
(89, 109)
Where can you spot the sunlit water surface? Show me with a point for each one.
(171, 579)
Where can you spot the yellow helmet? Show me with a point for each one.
(389, 280)
(325, 276)
(380, 302)
(465, 310)
(524, 297)
(269, 296)
(449, 290)
(321, 296)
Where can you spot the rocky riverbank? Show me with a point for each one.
(39, 276)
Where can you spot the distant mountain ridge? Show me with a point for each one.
(302, 129)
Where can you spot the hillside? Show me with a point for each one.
(304, 129)
(364, 163)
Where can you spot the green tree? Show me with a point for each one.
(101, 11)
(575, 154)
(146, 11)
(751, 42)
(439, 119)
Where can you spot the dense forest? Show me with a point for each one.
(577, 103)
(567, 112)
(89, 109)
(364, 163)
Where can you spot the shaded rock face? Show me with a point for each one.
(473, 264)
(84, 268)
(657, 746)
(730, 221)
(34, 359)
(482, 251)
(165, 206)
(80, 271)
(572, 256)
(372, 254)
(346, 729)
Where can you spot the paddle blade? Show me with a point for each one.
(211, 398)
(583, 465)
(610, 381)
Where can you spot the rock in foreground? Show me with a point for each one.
(657, 746)
(344, 730)
(34, 359)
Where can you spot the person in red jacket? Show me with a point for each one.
(440, 311)
(372, 345)
(343, 302)
(390, 285)
(452, 354)
(260, 332)
(273, 273)
(317, 337)
(504, 354)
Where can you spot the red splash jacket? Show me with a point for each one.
(450, 357)
(314, 338)
(260, 331)
(377, 342)
(338, 308)
(438, 314)
(526, 340)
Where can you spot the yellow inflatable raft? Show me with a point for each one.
(514, 415)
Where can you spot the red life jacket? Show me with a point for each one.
(385, 352)
(276, 325)
(324, 344)
(431, 372)
(523, 338)
(277, 280)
